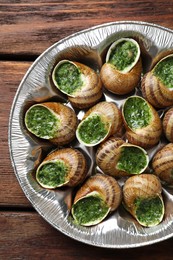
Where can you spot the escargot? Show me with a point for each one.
(52, 121)
(142, 122)
(82, 84)
(122, 70)
(63, 167)
(142, 197)
(97, 197)
(99, 122)
(168, 124)
(162, 164)
(157, 84)
(117, 158)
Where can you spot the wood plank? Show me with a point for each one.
(36, 239)
(28, 28)
(11, 74)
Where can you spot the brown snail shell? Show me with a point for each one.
(109, 114)
(91, 90)
(146, 136)
(155, 91)
(65, 130)
(106, 187)
(73, 160)
(162, 164)
(144, 186)
(168, 125)
(121, 82)
(109, 155)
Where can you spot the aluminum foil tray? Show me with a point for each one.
(119, 230)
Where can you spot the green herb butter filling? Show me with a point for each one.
(137, 113)
(90, 210)
(123, 55)
(52, 174)
(92, 129)
(68, 78)
(41, 122)
(132, 160)
(164, 72)
(149, 211)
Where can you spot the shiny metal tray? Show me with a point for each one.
(119, 230)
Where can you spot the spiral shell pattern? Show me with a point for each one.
(110, 112)
(63, 131)
(154, 89)
(91, 90)
(140, 186)
(117, 79)
(155, 92)
(107, 156)
(168, 125)
(112, 160)
(147, 136)
(120, 83)
(75, 162)
(162, 164)
(107, 187)
(143, 199)
(66, 131)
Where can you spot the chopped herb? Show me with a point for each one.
(164, 71)
(123, 55)
(132, 160)
(89, 210)
(149, 211)
(41, 122)
(68, 78)
(137, 112)
(52, 173)
(92, 129)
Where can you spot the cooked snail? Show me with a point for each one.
(64, 167)
(143, 199)
(52, 121)
(99, 122)
(162, 164)
(117, 158)
(122, 70)
(81, 83)
(168, 125)
(98, 196)
(142, 122)
(157, 84)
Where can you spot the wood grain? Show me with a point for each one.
(11, 73)
(36, 239)
(28, 28)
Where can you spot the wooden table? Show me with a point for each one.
(27, 28)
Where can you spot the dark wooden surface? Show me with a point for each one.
(27, 28)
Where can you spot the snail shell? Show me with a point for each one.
(162, 164)
(148, 134)
(155, 90)
(62, 129)
(106, 188)
(143, 187)
(111, 120)
(122, 81)
(168, 125)
(107, 156)
(70, 171)
(89, 90)
(113, 158)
